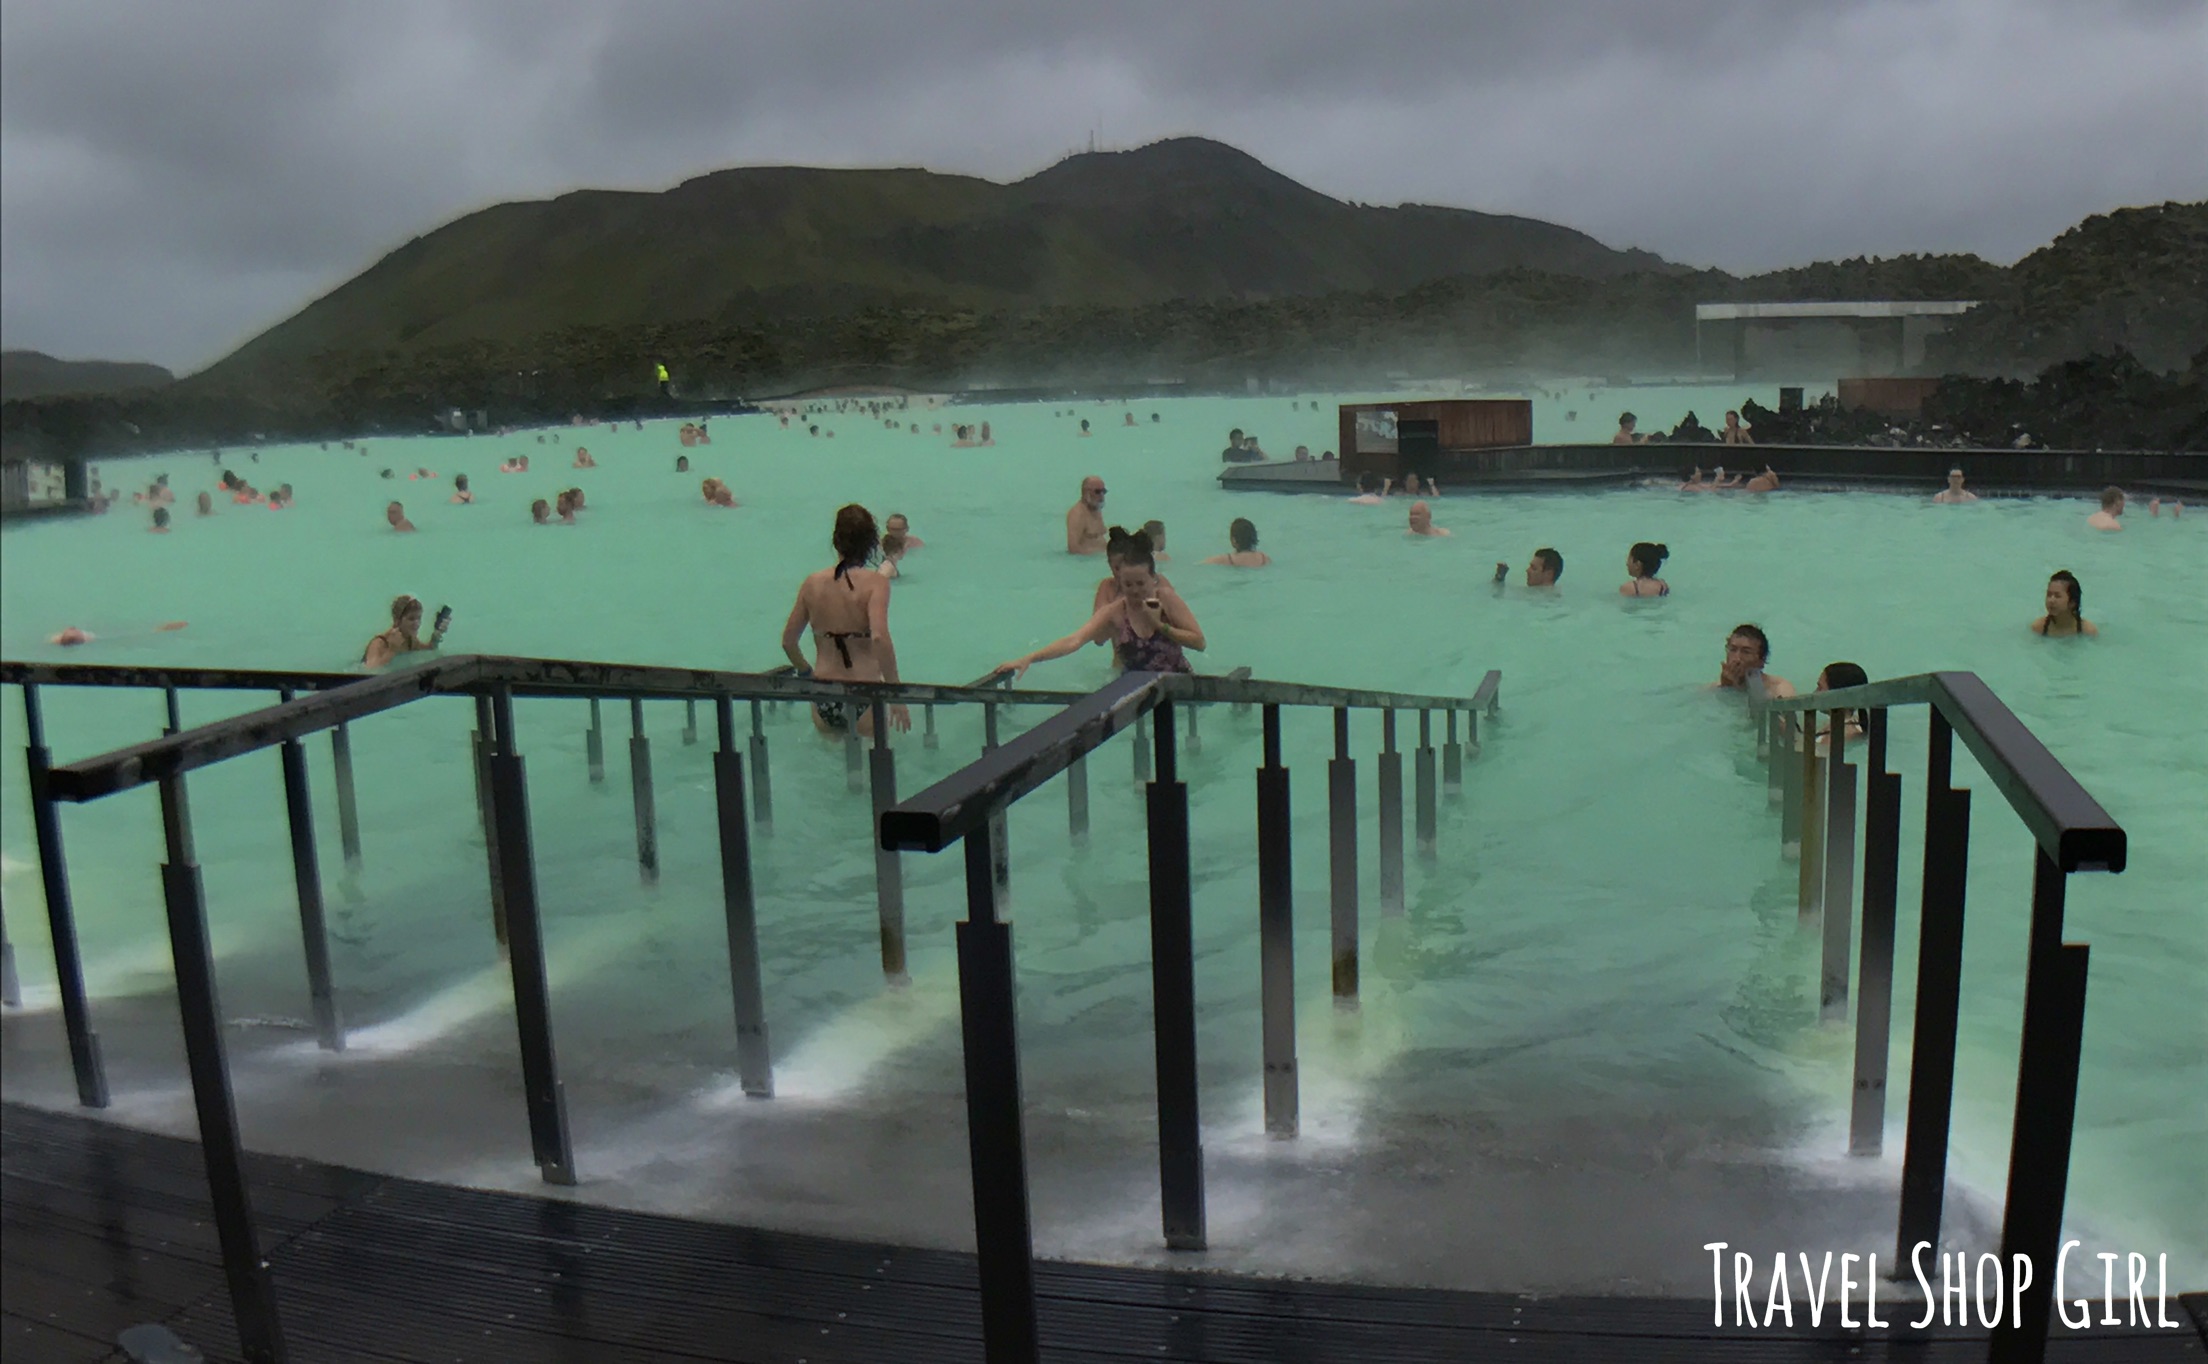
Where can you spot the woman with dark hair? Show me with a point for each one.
(1641, 563)
(1147, 626)
(1116, 543)
(2065, 607)
(847, 607)
(1242, 536)
(1833, 678)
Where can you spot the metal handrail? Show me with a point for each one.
(2069, 824)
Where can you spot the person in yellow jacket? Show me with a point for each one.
(662, 369)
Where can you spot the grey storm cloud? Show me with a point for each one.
(175, 178)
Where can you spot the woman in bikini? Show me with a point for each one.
(2065, 598)
(1641, 563)
(1148, 628)
(847, 607)
(404, 636)
(1242, 536)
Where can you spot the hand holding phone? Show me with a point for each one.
(444, 619)
(1502, 571)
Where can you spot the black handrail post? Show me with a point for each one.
(1276, 935)
(1341, 805)
(640, 793)
(306, 871)
(61, 915)
(1839, 880)
(1874, 1004)
(252, 1297)
(1939, 995)
(1077, 799)
(348, 804)
(689, 721)
(1423, 787)
(2046, 1114)
(540, 1077)
(762, 780)
(889, 872)
(594, 744)
(1000, 821)
(1391, 817)
(174, 706)
(1788, 774)
(485, 725)
(1173, 989)
(1810, 887)
(1472, 731)
(996, 1140)
(754, 1060)
(1452, 761)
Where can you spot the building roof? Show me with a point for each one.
(1726, 312)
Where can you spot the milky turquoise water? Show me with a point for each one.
(1608, 929)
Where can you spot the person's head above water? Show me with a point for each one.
(897, 525)
(1156, 531)
(1242, 535)
(406, 613)
(459, 482)
(206, 504)
(1544, 568)
(2112, 501)
(1626, 421)
(2065, 596)
(1747, 650)
(160, 518)
(540, 511)
(394, 513)
(1092, 492)
(855, 536)
(1955, 479)
(1838, 675)
(1421, 518)
(1133, 553)
(682, 464)
(1234, 437)
(1645, 560)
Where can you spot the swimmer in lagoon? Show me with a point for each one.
(1641, 565)
(1747, 649)
(2111, 514)
(1116, 544)
(682, 464)
(1833, 678)
(460, 491)
(396, 515)
(847, 609)
(404, 636)
(160, 524)
(2065, 606)
(206, 504)
(1149, 628)
(1734, 433)
(1084, 426)
(1544, 568)
(1156, 531)
(1242, 551)
(1233, 453)
(1369, 494)
(540, 512)
(898, 525)
(1626, 435)
(1422, 521)
(1765, 482)
(1954, 494)
(583, 459)
(1085, 519)
(894, 546)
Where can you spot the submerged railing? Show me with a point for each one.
(973, 799)
(1816, 793)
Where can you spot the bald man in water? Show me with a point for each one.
(1085, 519)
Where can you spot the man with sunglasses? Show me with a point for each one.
(1085, 519)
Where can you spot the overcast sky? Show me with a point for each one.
(176, 177)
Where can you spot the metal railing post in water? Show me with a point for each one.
(689, 721)
(762, 780)
(1195, 740)
(2046, 1115)
(1173, 996)
(1142, 749)
(1874, 1002)
(854, 751)
(252, 1297)
(1452, 762)
(61, 915)
(175, 710)
(1768, 747)
(1077, 799)
(1004, 1243)
(1810, 894)
(928, 738)
(889, 873)
(540, 1074)
(1341, 813)
(488, 808)
(11, 987)
(1788, 774)
(594, 744)
(1472, 733)
(1276, 930)
(1838, 852)
(348, 805)
(1939, 995)
(1391, 818)
(754, 1062)
(306, 872)
(640, 793)
(1000, 822)
(1422, 786)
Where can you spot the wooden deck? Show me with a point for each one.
(106, 1227)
